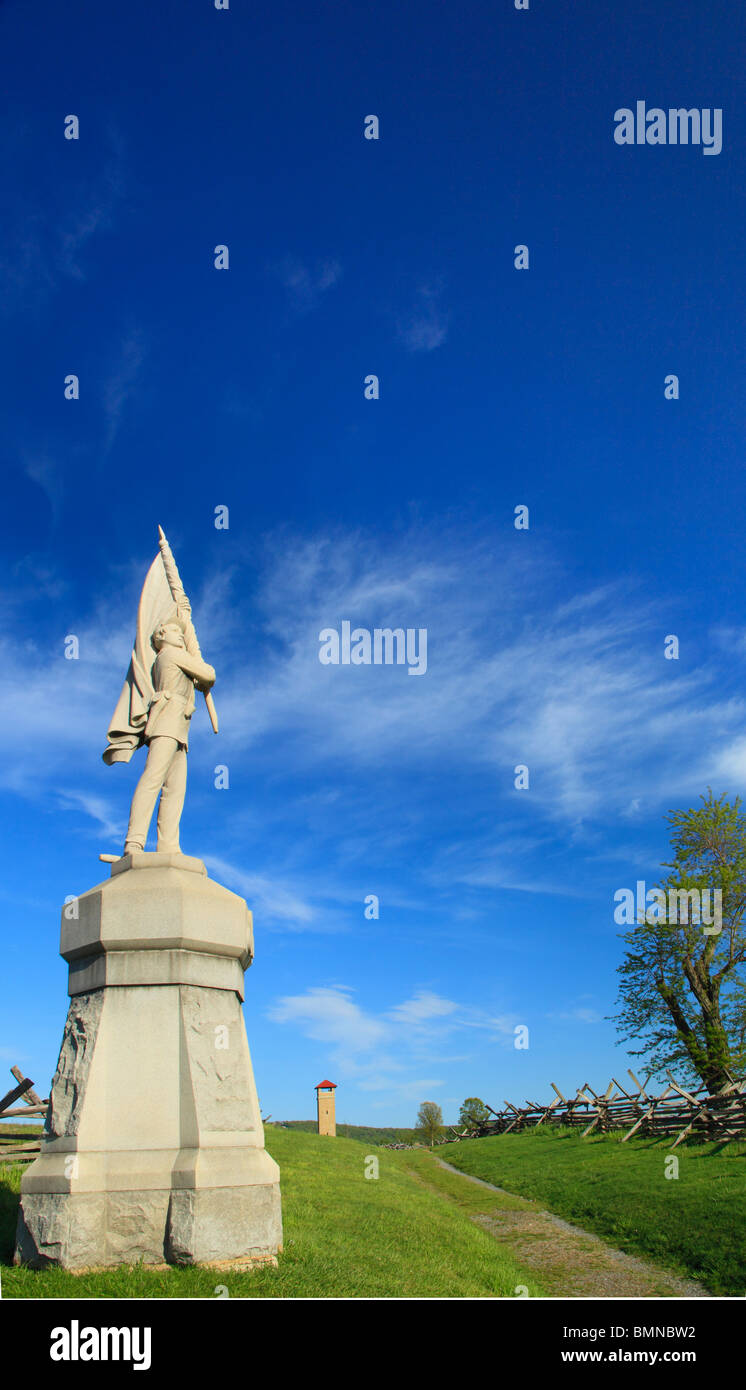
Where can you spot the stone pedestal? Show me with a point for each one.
(153, 1149)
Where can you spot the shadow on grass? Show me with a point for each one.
(9, 1201)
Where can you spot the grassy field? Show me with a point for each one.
(408, 1233)
(695, 1224)
(411, 1233)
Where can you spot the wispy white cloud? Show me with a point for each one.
(422, 1008)
(520, 670)
(96, 215)
(578, 1015)
(382, 1051)
(306, 284)
(329, 1015)
(515, 675)
(425, 326)
(46, 244)
(107, 818)
(47, 475)
(418, 1089)
(121, 381)
(271, 899)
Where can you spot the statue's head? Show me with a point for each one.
(168, 634)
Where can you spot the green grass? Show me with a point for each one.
(694, 1224)
(406, 1234)
(477, 1201)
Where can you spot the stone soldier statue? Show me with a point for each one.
(157, 955)
(157, 702)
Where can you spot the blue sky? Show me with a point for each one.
(498, 387)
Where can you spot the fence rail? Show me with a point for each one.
(13, 1147)
(675, 1111)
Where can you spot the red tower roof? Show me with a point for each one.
(331, 1084)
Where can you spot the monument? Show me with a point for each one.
(153, 1147)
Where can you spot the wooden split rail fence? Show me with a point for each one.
(15, 1147)
(675, 1111)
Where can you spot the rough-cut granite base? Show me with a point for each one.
(99, 1229)
(153, 1148)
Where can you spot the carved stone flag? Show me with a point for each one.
(157, 606)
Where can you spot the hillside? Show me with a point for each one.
(346, 1235)
(419, 1230)
(694, 1223)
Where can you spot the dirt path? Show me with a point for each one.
(571, 1262)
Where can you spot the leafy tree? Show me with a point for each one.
(683, 982)
(430, 1120)
(473, 1112)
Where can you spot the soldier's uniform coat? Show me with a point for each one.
(172, 706)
